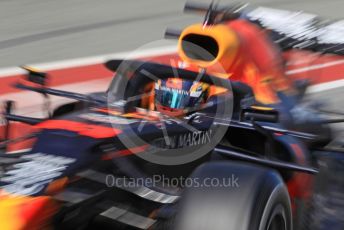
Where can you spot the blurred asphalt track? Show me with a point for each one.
(36, 31)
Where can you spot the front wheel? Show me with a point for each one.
(259, 200)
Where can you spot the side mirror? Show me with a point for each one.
(35, 76)
(259, 113)
(8, 107)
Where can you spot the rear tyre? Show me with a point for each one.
(258, 200)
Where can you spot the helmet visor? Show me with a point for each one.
(173, 98)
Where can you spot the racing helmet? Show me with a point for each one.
(176, 96)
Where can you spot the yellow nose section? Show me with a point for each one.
(214, 46)
(25, 212)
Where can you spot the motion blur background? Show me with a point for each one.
(34, 31)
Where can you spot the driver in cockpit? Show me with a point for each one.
(176, 97)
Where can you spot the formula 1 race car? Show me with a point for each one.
(109, 161)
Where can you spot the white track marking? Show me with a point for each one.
(90, 60)
(314, 67)
(325, 86)
(134, 54)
